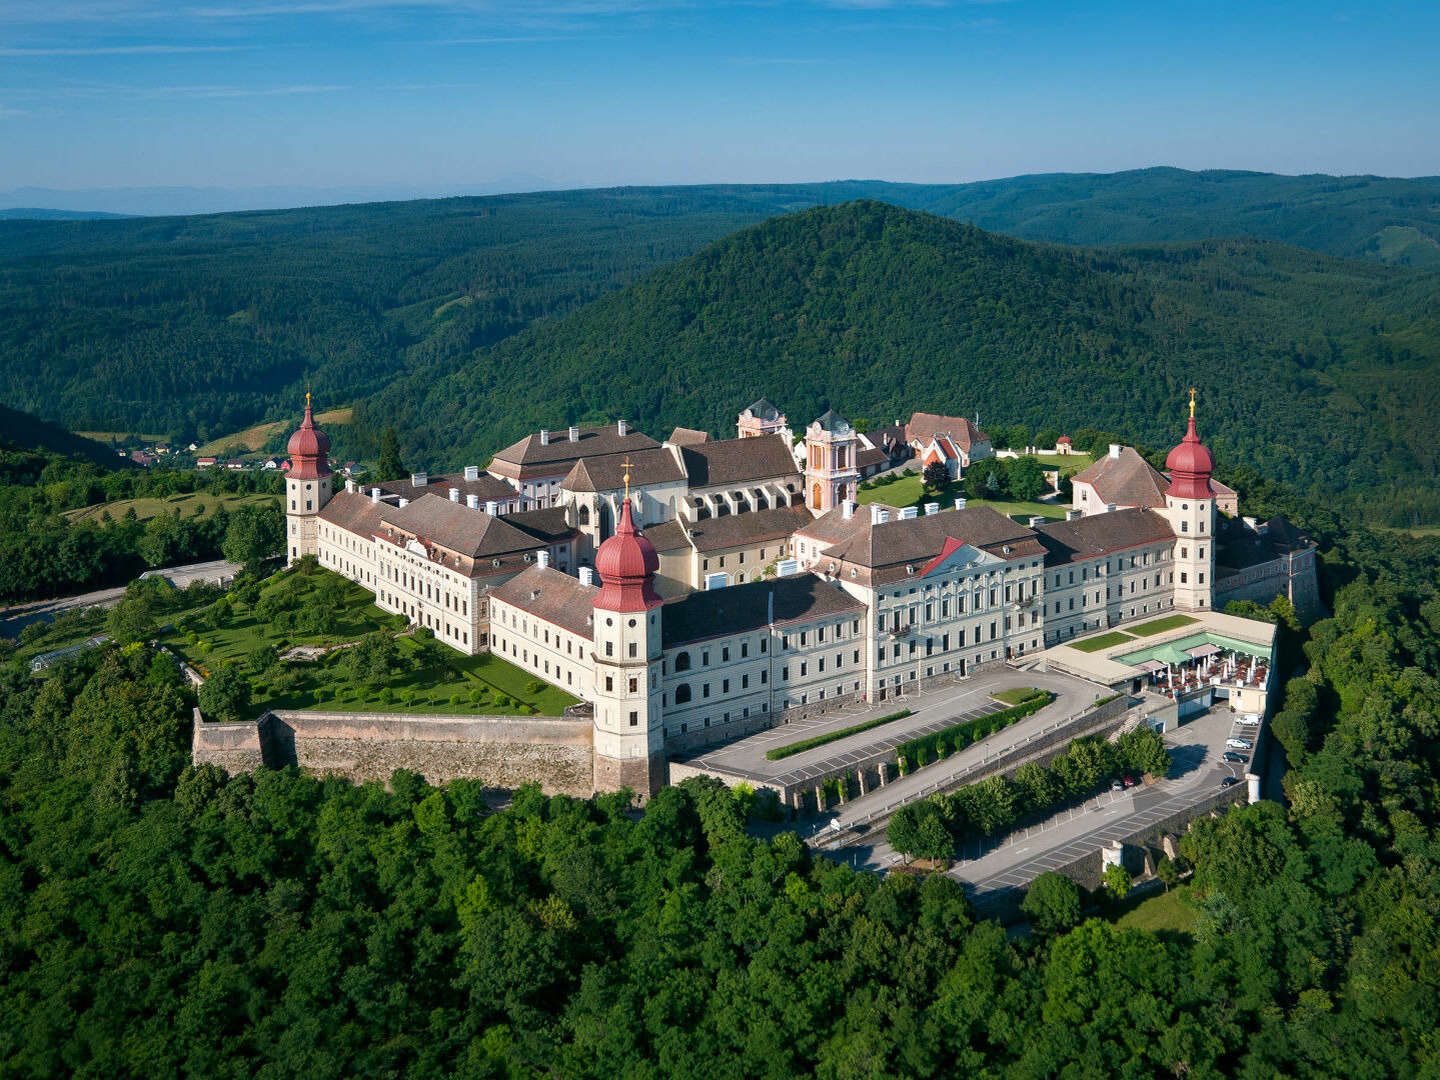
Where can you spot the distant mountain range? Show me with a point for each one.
(1321, 372)
(81, 203)
(21, 431)
(205, 324)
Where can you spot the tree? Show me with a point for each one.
(1167, 872)
(131, 620)
(1117, 881)
(1053, 903)
(933, 840)
(1026, 479)
(254, 534)
(936, 476)
(225, 695)
(389, 467)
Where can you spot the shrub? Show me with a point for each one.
(820, 740)
(534, 686)
(923, 750)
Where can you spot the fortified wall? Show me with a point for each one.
(499, 751)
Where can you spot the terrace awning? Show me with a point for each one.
(1151, 665)
(1201, 651)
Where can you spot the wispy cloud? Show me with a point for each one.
(7, 111)
(120, 50)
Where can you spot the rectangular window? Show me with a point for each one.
(634, 719)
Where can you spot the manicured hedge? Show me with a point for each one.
(928, 748)
(820, 740)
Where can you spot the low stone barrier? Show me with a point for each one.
(501, 751)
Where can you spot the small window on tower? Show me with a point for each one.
(634, 719)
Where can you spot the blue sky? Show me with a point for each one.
(102, 93)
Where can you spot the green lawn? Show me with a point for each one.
(454, 684)
(1159, 626)
(1104, 641)
(1068, 464)
(1166, 911)
(910, 491)
(194, 504)
(1017, 694)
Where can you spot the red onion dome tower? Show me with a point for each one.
(309, 448)
(1190, 465)
(627, 563)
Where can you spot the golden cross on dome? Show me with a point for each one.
(626, 465)
(1192, 403)
(307, 393)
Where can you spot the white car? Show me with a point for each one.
(1240, 744)
(1250, 719)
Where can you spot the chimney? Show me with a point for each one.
(419, 479)
(543, 558)
(374, 494)
(1072, 515)
(403, 503)
(877, 515)
(931, 509)
(472, 472)
(1114, 450)
(1109, 508)
(454, 494)
(847, 510)
(349, 486)
(574, 433)
(1035, 520)
(959, 504)
(587, 575)
(623, 428)
(884, 517)
(472, 501)
(909, 512)
(492, 507)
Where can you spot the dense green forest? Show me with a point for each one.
(161, 920)
(43, 554)
(197, 326)
(1318, 372)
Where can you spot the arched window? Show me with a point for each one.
(816, 497)
(682, 661)
(584, 514)
(682, 692)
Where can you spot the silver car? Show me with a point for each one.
(1240, 744)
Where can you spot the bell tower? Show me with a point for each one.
(1190, 506)
(832, 472)
(629, 738)
(307, 487)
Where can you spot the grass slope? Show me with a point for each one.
(196, 504)
(255, 437)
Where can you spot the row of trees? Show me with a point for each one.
(931, 828)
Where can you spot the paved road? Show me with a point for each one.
(1195, 776)
(16, 618)
(1017, 859)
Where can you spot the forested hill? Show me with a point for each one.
(21, 431)
(203, 325)
(1318, 371)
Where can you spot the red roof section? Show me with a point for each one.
(308, 449)
(626, 564)
(1190, 465)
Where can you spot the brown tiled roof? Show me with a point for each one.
(668, 536)
(734, 610)
(1127, 480)
(684, 436)
(551, 595)
(919, 539)
(354, 513)
(607, 473)
(547, 525)
(1094, 536)
(925, 426)
(528, 457)
(1238, 547)
(832, 527)
(739, 461)
(752, 527)
(455, 526)
(865, 457)
(486, 487)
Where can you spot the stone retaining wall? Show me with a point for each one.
(501, 751)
